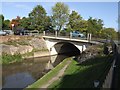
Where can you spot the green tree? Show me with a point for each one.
(95, 26)
(48, 23)
(1, 21)
(60, 15)
(6, 24)
(74, 19)
(76, 22)
(82, 25)
(25, 23)
(109, 33)
(37, 18)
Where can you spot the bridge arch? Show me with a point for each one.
(57, 47)
(65, 47)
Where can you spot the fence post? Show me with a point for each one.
(70, 35)
(43, 33)
(56, 33)
(88, 36)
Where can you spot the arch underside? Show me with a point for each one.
(67, 49)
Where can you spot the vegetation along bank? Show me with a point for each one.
(23, 47)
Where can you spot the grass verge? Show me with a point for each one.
(83, 75)
(8, 58)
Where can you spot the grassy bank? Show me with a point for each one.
(77, 75)
(47, 77)
(7, 59)
(83, 75)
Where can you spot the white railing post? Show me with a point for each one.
(88, 36)
(56, 33)
(43, 33)
(70, 35)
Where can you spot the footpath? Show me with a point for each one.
(60, 74)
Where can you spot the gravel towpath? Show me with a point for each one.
(60, 74)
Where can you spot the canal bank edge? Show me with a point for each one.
(23, 47)
(39, 83)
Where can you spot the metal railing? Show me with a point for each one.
(110, 81)
(115, 79)
(63, 35)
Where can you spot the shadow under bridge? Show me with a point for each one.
(63, 50)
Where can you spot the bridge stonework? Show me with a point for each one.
(57, 45)
(51, 43)
(55, 50)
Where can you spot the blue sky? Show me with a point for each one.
(107, 11)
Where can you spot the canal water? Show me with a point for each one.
(22, 74)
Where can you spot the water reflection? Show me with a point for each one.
(22, 74)
(18, 80)
(19, 75)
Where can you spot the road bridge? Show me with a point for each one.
(59, 45)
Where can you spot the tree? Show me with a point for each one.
(109, 33)
(74, 19)
(37, 18)
(25, 23)
(1, 21)
(60, 15)
(95, 26)
(76, 22)
(48, 23)
(6, 24)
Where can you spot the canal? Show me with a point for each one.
(22, 74)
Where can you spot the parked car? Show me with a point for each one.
(18, 32)
(21, 32)
(3, 33)
(9, 32)
(77, 34)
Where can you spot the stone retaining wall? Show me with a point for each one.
(36, 45)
